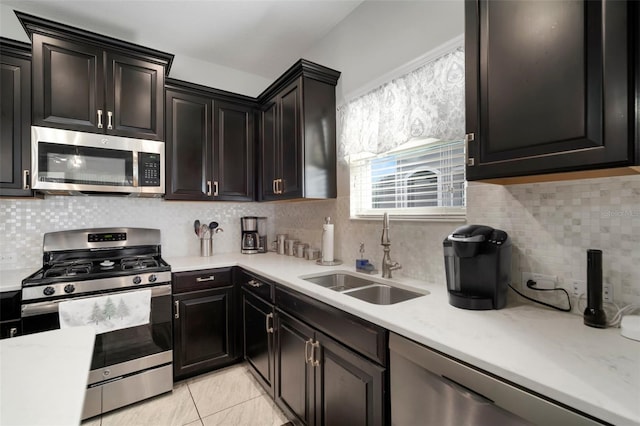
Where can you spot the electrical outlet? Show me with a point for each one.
(607, 293)
(542, 281)
(579, 287)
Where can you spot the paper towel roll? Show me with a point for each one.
(327, 241)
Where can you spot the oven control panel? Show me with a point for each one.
(107, 237)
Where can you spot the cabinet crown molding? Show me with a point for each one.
(36, 25)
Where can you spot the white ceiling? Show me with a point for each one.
(259, 37)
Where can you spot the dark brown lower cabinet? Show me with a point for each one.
(204, 331)
(258, 338)
(322, 382)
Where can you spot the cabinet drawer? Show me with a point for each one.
(368, 339)
(201, 280)
(256, 285)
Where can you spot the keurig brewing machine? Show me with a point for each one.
(477, 262)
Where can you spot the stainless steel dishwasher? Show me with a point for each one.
(428, 388)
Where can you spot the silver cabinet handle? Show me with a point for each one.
(267, 318)
(469, 161)
(315, 345)
(109, 120)
(13, 332)
(280, 186)
(25, 179)
(209, 188)
(215, 186)
(99, 119)
(255, 283)
(307, 359)
(273, 186)
(177, 305)
(203, 279)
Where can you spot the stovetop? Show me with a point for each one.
(90, 269)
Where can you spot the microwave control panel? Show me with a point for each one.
(148, 169)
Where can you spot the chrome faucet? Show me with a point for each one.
(388, 265)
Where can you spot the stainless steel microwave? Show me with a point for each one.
(79, 163)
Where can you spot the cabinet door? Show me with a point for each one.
(188, 146)
(269, 151)
(294, 376)
(134, 98)
(15, 125)
(68, 84)
(204, 331)
(291, 154)
(258, 329)
(349, 388)
(233, 152)
(547, 86)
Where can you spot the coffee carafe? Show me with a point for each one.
(250, 239)
(477, 262)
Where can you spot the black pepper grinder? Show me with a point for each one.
(594, 315)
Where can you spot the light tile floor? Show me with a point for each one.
(230, 396)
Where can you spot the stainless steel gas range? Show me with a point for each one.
(131, 363)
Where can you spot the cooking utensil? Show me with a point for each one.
(212, 226)
(204, 229)
(196, 226)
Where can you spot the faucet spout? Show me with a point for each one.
(388, 265)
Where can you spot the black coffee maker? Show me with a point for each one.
(477, 261)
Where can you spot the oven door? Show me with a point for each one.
(118, 346)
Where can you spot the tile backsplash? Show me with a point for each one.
(551, 225)
(24, 222)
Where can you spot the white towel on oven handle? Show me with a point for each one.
(107, 313)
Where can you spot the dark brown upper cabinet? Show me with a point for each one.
(15, 113)
(550, 89)
(297, 142)
(209, 144)
(87, 82)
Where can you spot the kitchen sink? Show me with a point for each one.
(380, 294)
(366, 289)
(340, 281)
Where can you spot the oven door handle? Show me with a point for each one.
(41, 308)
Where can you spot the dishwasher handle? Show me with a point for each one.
(466, 392)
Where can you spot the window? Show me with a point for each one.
(403, 141)
(421, 179)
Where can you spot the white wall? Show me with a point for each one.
(379, 36)
(184, 67)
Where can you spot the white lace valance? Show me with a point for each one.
(427, 102)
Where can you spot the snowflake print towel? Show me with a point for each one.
(107, 313)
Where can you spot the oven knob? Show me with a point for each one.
(69, 288)
(48, 291)
(137, 280)
(152, 278)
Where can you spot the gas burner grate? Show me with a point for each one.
(140, 262)
(69, 269)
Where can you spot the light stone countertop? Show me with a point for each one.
(43, 377)
(596, 371)
(11, 279)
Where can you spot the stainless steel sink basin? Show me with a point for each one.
(340, 282)
(383, 294)
(364, 288)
